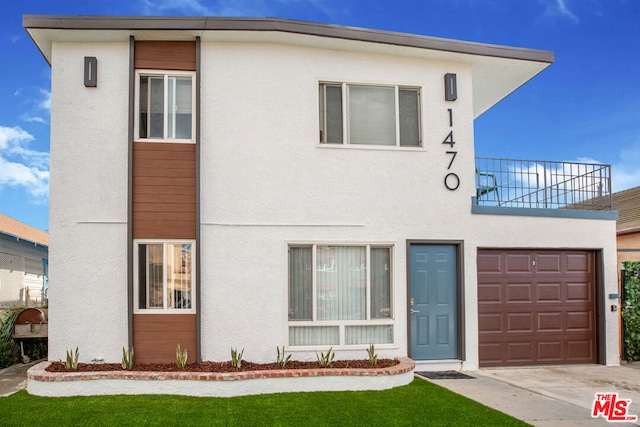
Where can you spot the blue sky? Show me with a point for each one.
(585, 107)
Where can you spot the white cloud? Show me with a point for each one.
(255, 8)
(33, 119)
(559, 8)
(45, 103)
(625, 172)
(182, 6)
(20, 166)
(14, 39)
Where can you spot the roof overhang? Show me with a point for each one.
(497, 70)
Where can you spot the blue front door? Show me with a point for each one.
(433, 302)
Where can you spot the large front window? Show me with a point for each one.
(340, 295)
(165, 106)
(165, 275)
(369, 115)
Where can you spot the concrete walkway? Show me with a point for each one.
(14, 378)
(551, 396)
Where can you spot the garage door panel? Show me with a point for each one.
(549, 263)
(518, 263)
(549, 351)
(550, 322)
(520, 352)
(491, 322)
(489, 263)
(550, 292)
(578, 321)
(490, 293)
(542, 313)
(520, 322)
(580, 351)
(491, 353)
(580, 291)
(579, 262)
(519, 292)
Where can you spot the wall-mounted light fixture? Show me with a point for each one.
(90, 71)
(450, 87)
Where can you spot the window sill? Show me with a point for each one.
(371, 147)
(162, 311)
(166, 141)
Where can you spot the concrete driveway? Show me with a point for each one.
(552, 396)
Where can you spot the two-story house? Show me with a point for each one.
(251, 183)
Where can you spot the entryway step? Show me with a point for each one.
(438, 365)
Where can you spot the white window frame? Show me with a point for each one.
(342, 324)
(136, 277)
(345, 115)
(165, 74)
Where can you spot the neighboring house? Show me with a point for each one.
(627, 203)
(23, 263)
(251, 183)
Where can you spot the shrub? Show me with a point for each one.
(324, 360)
(631, 315)
(236, 358)
(127, 358)
(8, 349)
(72, 360)
(282, 360)
(181, 357)
(373, 357)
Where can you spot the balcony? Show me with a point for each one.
(543, 188)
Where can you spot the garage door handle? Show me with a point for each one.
(414, 311)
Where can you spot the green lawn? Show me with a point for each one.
(420, 403)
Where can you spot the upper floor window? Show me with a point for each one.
(165, 106)
(369, 115)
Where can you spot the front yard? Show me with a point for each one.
(420, 403)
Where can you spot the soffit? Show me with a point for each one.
(497, 70)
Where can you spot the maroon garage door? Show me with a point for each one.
(536, 307)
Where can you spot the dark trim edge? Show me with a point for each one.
(130, 290)
(541, 212)
(134, 23)
(198, 236)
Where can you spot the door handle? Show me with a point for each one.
(414, 311)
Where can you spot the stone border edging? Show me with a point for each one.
(41, 382)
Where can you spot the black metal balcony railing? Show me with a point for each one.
(543, 184)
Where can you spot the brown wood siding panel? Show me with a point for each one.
(536, 307)
(165, 55)
(155, 336)
(164, 188)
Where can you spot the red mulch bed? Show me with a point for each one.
(218, 366)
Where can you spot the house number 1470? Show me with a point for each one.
(451, 180)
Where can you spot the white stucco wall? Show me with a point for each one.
(87, 228)
(266, 182)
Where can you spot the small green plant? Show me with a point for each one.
(127, 358)
(282, 359)
(373, 357)
(181, 357)
(8, 350)
(324, 360)
(72, 360)
(236, 358)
